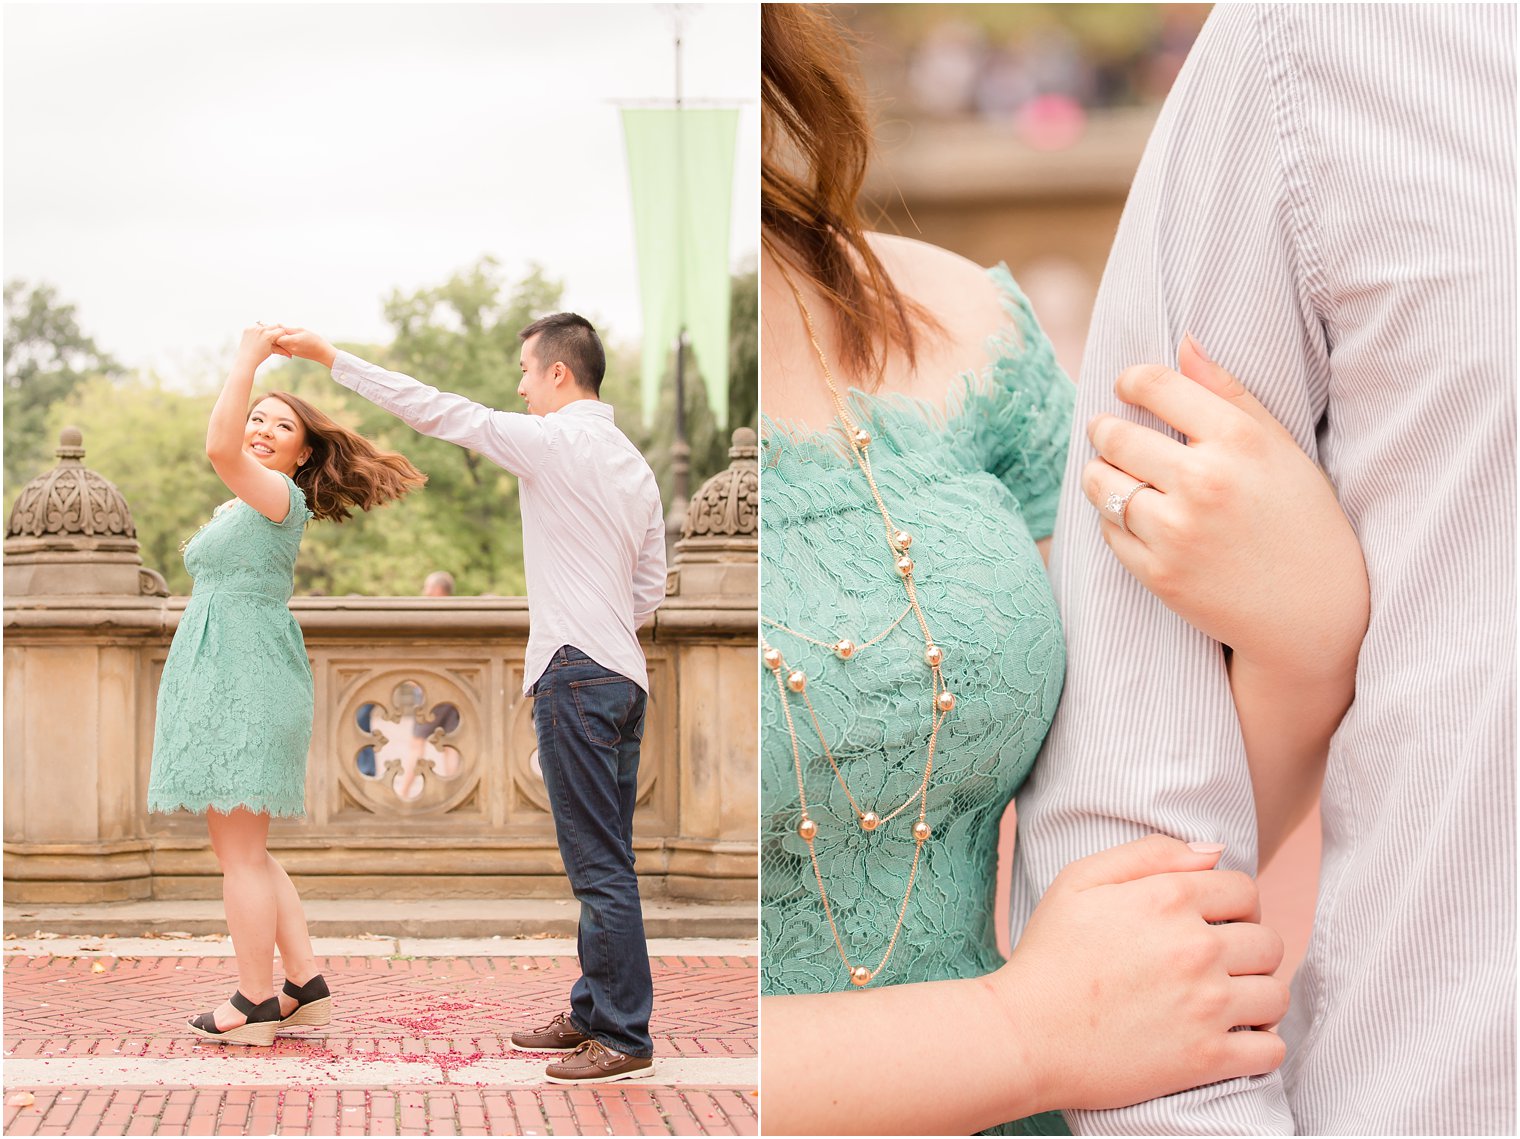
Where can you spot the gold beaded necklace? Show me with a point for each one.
(792, 680)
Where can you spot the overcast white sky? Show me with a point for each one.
(179, 170)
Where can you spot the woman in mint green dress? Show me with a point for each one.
(914, 436)
(235, 701)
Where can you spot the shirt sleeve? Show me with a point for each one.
(649, 575)
(512, 440)
(1216, 241)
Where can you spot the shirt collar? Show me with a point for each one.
(586, 407)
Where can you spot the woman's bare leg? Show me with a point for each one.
(240, 840)
(291, 934)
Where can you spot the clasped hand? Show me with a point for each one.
(260, 341)
(1239, 531)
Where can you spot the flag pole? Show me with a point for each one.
(680, 449)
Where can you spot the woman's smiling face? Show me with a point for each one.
(275, 437)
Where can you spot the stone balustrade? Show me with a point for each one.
(422, 779)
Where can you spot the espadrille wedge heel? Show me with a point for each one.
(258, 1030)
(313, 1004)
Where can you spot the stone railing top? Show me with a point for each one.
(416, 619)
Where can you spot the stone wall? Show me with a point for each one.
(422, 777)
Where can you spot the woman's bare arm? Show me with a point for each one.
(254, 483)
(1118, 991)
(1241, 535)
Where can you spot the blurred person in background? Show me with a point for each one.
(439, 583)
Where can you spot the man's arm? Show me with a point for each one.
(512, 440)
(1146, 738)
(649, 574)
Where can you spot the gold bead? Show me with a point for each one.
(772, 659)
(808, 829)
(921, 831)
(905, 565)
(862, 437)
(934, 656)
(796, 680)
(902, 539)
(945, 701)
(860, 976)
(870, 821)
(844, 650)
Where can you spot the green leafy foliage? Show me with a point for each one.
(46, 358)
(150, 442)
(459, 336)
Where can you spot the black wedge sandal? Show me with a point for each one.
(263, 1019)
(313, 1004)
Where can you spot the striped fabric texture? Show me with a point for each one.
(1328, 205)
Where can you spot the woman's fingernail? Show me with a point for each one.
(1207, 847)
(1198, 348)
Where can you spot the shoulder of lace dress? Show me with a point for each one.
(297, 503)
(1006, 347)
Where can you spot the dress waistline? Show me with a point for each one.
(278, 599)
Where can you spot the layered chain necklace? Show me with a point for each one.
(792, 682)
(215, 514)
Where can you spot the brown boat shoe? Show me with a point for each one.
(559, 1035)
(594, 1063)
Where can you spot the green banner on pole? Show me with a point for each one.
(680, 169)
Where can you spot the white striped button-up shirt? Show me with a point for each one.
(1328, 205)
(593, 530)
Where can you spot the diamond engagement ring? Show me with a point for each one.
(1118, 505)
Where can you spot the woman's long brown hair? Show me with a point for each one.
(345, 470)
(815, 148)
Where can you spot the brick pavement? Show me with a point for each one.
(419, 1046)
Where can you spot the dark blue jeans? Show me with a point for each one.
(589, 722)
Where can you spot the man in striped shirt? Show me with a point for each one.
(1328, 204)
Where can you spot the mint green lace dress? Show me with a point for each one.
(976, 485)
(235, 700)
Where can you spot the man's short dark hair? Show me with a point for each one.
(570, 340)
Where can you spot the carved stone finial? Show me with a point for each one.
(70, 444)
(719, 550)
(728, 504)
(70, 500)
(71, 533)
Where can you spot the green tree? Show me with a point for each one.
(460, 336)
(150, 442)
(47, 356)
